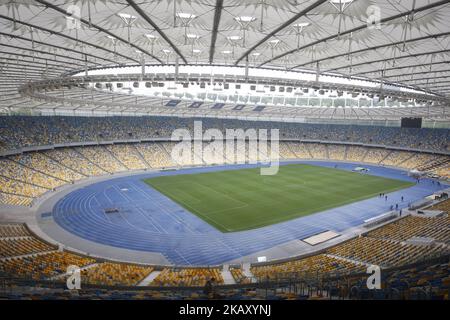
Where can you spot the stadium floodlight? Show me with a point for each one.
(244, 22)
(298, 28)
(273, 44)
(192, 36)
(234, 40)
(167, 53)
(128, 19)
(255, 56)
(226, 54)
(196, 53)
(341, 2)
(186, 19)
(340, 6)
(152, 39)
(114, 43)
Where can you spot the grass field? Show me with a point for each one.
(237, 200)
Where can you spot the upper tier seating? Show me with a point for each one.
(23, 131)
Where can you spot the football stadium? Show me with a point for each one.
(224, 150)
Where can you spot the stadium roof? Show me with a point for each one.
(394, 41)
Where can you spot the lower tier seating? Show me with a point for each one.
(27, 176)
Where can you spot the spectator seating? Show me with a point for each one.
(24, 177)
(310, 266)
(102, 158)
(385, 253)
(187, 277)
(114, 274)
(22, 246)
(239, 276)
(13, 230)
(414, 226)
(43, 266)
(24, 131)
(128, 156)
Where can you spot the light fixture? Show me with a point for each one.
(255, 56)
(226, 54)
(341, 1)
(192, 36)
(196, 53)
(152, 38)
(340, 6)
(245, 19)
(244, 23)
(167, 53)
(185, 16)
(273, 44)
(128, 19)
(233, 40)
(186, 19)
(298, 28)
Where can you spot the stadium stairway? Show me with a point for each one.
(226, 275)
(149, 279)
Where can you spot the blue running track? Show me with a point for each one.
(149, 221)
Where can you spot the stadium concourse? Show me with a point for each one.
(116, 176)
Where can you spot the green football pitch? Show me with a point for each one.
(236, 200)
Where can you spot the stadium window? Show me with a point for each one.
(238, 86)
(119, 85)
(148, 85)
